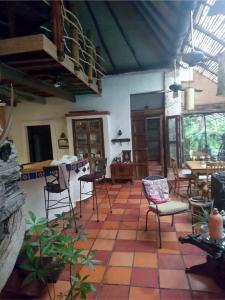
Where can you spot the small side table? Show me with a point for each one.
(121, 171)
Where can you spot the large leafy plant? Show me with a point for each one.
(48, 246)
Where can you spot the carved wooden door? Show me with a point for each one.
(148, 145)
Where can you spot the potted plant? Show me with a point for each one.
(46, 248)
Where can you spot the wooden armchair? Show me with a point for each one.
(181, 179)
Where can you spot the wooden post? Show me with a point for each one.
(75, 49)
(2, 115)
(99, 76)
(89, 58)
(57, 28)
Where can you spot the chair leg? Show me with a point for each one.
(47, 206)
(96, 200)
(72, 211)
(159, 228)
(110, 206)
(93, 195)
(80, 200)
(146, 220)
(172, 220)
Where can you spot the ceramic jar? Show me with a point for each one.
(215, 225)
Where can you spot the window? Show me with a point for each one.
(204, 136)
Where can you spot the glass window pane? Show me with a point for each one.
(153, 139)
(194, 137)
(215, 129)
(173, 150)
(172, 129)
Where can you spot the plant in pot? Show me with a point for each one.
(200, 218)
(45, 250)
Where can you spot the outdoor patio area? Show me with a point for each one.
(132, 266)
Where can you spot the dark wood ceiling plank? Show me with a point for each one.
(162, 46)
(160, 16)
(154, 21)
(100, 36)
(172, 7)
(12, 75)
(116, 20)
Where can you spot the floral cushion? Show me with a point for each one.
(157, 190)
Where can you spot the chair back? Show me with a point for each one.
(100, 168)
(156, 189)
(56, 178)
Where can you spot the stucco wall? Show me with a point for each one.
(208, 95)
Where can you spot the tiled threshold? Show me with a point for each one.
(132, 266)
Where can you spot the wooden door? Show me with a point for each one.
(148, 146)
(139, 145)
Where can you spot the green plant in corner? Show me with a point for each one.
(56, 244)
(201, 217)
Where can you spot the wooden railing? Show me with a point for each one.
(70, 40)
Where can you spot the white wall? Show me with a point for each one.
(116, 99)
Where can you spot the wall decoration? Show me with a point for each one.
(126, 155)
(63, 143)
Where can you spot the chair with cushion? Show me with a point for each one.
(97, 176)
(156, 191)
(57, 181)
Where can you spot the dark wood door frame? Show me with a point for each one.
(135, 115)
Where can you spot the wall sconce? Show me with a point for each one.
(63, 142)
(119, 133)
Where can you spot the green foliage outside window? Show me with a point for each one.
(203, 135)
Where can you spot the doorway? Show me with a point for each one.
(40, 143)
(147, 122)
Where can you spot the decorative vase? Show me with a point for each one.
(215, 225)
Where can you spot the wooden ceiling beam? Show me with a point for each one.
(20, 95)
(12, 75)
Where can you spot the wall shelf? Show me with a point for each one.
(120, 140)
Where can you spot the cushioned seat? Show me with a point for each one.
(169, 208)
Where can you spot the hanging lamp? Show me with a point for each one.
(189, 98)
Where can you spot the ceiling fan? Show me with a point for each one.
(193, 57)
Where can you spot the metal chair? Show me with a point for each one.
(57, 181)
(161, 205)
(95, 177)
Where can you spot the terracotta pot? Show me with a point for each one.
(215, 225)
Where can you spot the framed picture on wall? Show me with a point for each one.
(63, 143)
(126, 155)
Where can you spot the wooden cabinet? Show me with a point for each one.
(120, 171)
(88, 138)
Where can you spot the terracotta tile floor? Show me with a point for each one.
(132, 266)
